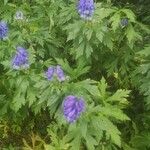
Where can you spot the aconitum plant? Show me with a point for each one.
(86, 9)
(55, 71)
(3, 29)
(20, 60)
(72, 108)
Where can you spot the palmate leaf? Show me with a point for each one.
(127, 147)
(74, 137)
(113, 111)
(20, 94)
(73, 30)
(75, 72)
(56, 142)
(88, 50)
(108, 41)
(115, 19)
(120, 97)
(18, 102)
(75, 144)
(31, 96)
(106, 125)
(100, 35)
(143, 73)
(79, 132)
(88, 34)
(102, 13)
(145, 52)
(132, 35)
(4, 104)
(129, 14)
(144, 27)
(109, 110)
(91, 142)
(83, 128)
(142, 141)
(80, 50)
(102, 85)
(85, 86)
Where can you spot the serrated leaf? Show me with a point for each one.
(80, 50)
(83, 128)
(18, 102)
(129, 14)
(75, 144)
(91, 142)
(102, 87)
(88, 50)
(115, 21)
(119, 96)
(113, 111)
(105, 124)
(100, 35)
(89, 34)
(132, 35)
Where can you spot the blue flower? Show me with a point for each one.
(50, 73)
(21, 59)
(86, 9)
(124, 22)
(55, 71)
(60, 73)
(3, 29)
(72, 108)
(19, 15)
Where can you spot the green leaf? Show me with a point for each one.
(120, 96)
(145, 52)
(91, 142)
(102, 87)
(129, 14)
(80, 50)
(88, 50)
(104, 124)
(132, 35)
(75, 144)
(89, 34)
(115, 21)
(100, 35)
(5, 2)
(83, 128)
(18, 102)
(113, 111)
(31, 96)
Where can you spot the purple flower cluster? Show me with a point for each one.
(21, 59)
(3, 29)
(57, 71)
(86, 9)
(73, 107)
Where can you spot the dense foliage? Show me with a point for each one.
(74, 75)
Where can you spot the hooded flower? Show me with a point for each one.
(19, 15)
(21, 59)
(60, 73)
(3, 29)
(72, 108)
(86, 9)
(124, 22)
(50, 73)
(55, 71)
